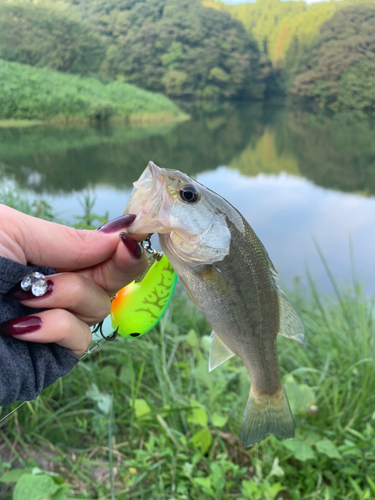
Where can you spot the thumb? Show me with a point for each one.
(40, 242)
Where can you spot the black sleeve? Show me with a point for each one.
(26, 368)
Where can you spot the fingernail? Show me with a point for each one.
(19, 326)
(115, 225)
(16, 293)
(133, 247)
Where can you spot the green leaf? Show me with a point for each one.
(276, 470)
(300, 396)
(197, 415)
(205, 483)
(371, 484)
(202, 440)
(103, 401)
(248, 488)
(40, 487)
(218, 420)
(13, 475)
(206, 342)
(61, 493)
(192, 338)
(141, 408)
(201, 372)
(301, 451)
(311, 438)
(328, 448)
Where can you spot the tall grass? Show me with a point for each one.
(42, 94)
(172, 431)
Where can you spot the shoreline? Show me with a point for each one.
(131, 120)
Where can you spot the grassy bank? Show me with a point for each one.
(143, 418)
(41, 94)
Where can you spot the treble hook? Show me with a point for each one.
(99, 328)
(147, 246)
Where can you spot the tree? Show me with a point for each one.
(178, 47)
(340, 63)
(47, 35)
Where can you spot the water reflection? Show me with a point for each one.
(258, 145)
(72, 158)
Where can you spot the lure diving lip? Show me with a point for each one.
(138, 307)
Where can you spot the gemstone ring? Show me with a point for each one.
(36, 282)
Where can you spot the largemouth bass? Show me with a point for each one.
(229, 276)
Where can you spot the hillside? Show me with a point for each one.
(275, 23)
(195, 49)
(177, 47)
(339, 70)
(42, 94)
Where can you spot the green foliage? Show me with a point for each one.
(356, 87)
(49, 36)
(27, 92)
(340, 67)
(144, 410)
(36, 484)
(178, 47)
(315, 48)
(89, 220)
(275, 23)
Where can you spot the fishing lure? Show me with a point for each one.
(139, 306)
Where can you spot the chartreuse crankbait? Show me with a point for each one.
(140, 305)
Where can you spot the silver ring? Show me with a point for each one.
(36, 282)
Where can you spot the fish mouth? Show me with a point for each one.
(150, 202)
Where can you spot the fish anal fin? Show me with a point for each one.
(291, 325)
(219, 352)
(264, 415)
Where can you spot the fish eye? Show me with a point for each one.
(189, 194)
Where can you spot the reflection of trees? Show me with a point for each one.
(117, 155)
(265, 156)
(335, 151)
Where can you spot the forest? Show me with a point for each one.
(322, 54)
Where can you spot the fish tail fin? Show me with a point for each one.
(268, 414)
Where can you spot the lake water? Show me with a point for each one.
(297, 177)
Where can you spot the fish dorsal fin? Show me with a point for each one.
(291, 325)
(219, 352)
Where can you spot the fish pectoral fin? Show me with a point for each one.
(291, 325)
(219, 352)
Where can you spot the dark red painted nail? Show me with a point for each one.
(16, 293)
(19, 326)
(133, 247)
(115, 225)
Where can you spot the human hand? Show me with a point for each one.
(91, 265)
